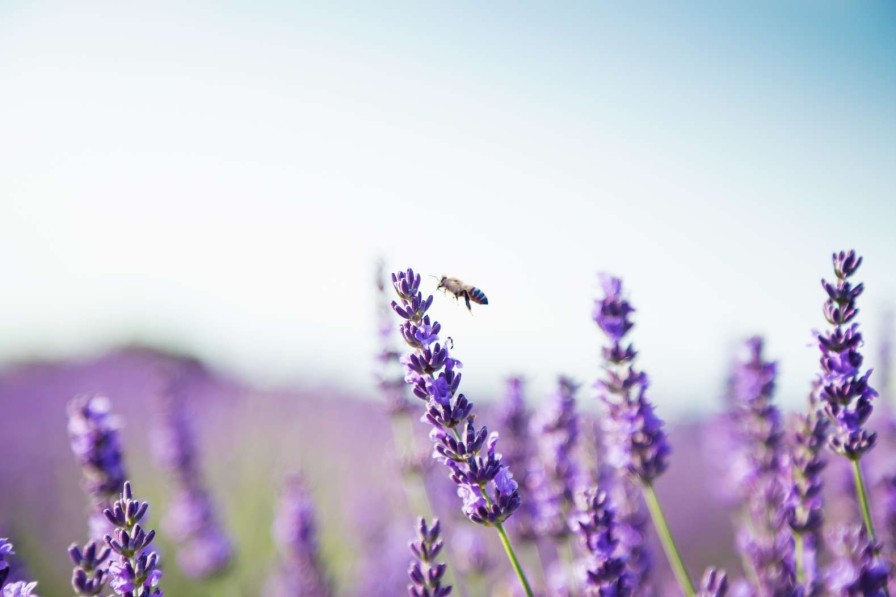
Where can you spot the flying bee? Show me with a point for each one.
(460, 290)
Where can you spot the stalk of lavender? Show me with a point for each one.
(425, 572)
(607, 573)
(135, 570)
(764, 537)
(93, 432)
(856, 569)
(191, 520)
(845, 393)
(13, 589)
(489, 493)
(636, 442)
(803, 504)
(301, 571)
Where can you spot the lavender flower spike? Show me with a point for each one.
(13, 589)
(295, 532)
(845, 392)
(93, 431)
(607, 573)
(856, 570)
(425, 573)
(134, 571)
(635, 440)
(485, 484)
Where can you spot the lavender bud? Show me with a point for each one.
(607, 573)
(714, 583)
(89, 575)
(425, 572)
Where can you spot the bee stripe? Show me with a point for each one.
(477, 296)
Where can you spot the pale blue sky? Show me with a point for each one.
(223, 177)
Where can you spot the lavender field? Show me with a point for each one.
(585, 491)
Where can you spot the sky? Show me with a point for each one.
(222, 178)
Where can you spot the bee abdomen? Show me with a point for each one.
(477, 296)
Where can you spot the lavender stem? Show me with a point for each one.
(798, 551)
(672, 554)
(511, 554)
(863, 498)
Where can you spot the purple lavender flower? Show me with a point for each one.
(391, 386)
(764, 537)
(425, 572)
(12, 589)
(485, 484)
(89, 575)
(607, 573)
(557, 429)
(856, 569)
(134, 571)
(20, 589)
(301, 571)
(515, 419)
(636, 442)
(713, 584)
(191, 520)
(93, 431)
(845, 391)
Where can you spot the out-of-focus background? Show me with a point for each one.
(218, 180)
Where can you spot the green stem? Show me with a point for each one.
(662, 529)
(863, 498)
(798, 548)
(505, 540)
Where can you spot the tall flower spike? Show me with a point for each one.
(134, 571)
(557, 430)
(424, 571)
(607, 574)
(484, 483)
(845, 392)
(635, 440)
(94, 434)
(191, 520)
(301, 571)
(764, 536)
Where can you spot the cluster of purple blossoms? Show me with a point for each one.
(425, 573)
(484, 483)
(89, 575)
(845, 393)
(764, 536)
(856, 569)
(557, 479)
(607, 573)
(134, 570)
(634, 439)
(301, 571)
(191, 519)
(13, 589)
(93, 431)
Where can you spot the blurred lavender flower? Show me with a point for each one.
(472, 555)
(485, 484)
(191, 519)
(607, 573)
(135, 572)
(764, 536)
(514, 418)
(635, 441)
(12, 589)
(301, 571)
(713, 584)
(93, 432)
(557, 430)
(845, 392)
(856, 570)
(391, 385)
(89, 575)
(803, 504)
(425, 573)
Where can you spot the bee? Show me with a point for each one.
(460, 290)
